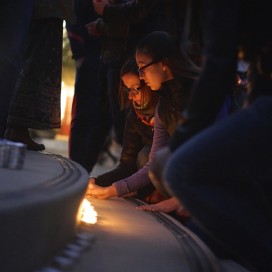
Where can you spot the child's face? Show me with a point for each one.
(132, 82)
(153, 73)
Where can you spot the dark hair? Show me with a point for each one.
(161, 46)
(130, 67)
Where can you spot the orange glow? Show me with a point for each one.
(87, 212)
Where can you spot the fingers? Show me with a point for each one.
(97, 191)
(91, 181)
(131, 194)
(166, 206)
(101, 192)
(92, 189)
(96, 194)
(149, 208)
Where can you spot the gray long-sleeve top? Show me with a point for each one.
(140, 179)
(173, 97)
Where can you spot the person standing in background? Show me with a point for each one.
(85, 138)
(36, 104)
(15, 17)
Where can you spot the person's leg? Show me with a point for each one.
(90, 117)
(15, 18)
(36, 104)
(223, 177)
(118, 115)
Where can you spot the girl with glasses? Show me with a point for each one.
(138, 133)
(170, 74)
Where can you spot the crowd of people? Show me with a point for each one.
(186, 87)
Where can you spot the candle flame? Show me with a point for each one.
(88, 214)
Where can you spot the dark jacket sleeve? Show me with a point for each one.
(218, 73)
(131, 146)
(132, 11)
(80, 41)
(76, 38)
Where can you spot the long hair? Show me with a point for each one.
(161, 46)
(130, 67)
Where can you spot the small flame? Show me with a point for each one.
(88, 214)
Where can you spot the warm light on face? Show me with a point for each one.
(87, 212)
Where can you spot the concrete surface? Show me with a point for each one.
(38, 207)
(59, 146)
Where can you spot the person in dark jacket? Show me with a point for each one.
(182, 19)
(113, 54)
(87, 127)
(144, 17)
(222, 172)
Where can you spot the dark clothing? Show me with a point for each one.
(136, 136)
(113, 54)
(37, 101)
(80, 41)
(62, 9)
(222, 175)
(114, 38)
(227, 27)
(124, 24)
(183, 20)
(88, 127)
(174, 96)
(109, 82)
(145, 16)
(15, 17)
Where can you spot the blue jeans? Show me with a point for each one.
(15, 18)
(223, 176)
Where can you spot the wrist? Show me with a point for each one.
(92, 180)
(112, 191)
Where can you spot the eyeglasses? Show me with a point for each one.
(141, 70)
(133, 91)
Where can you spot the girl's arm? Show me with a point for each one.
(140, 179)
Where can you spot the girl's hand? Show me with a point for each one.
(92, 180)
(166, 206)
(101, 192)
(169, 205)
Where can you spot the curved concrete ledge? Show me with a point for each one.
(38, 209)
(127, 239)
